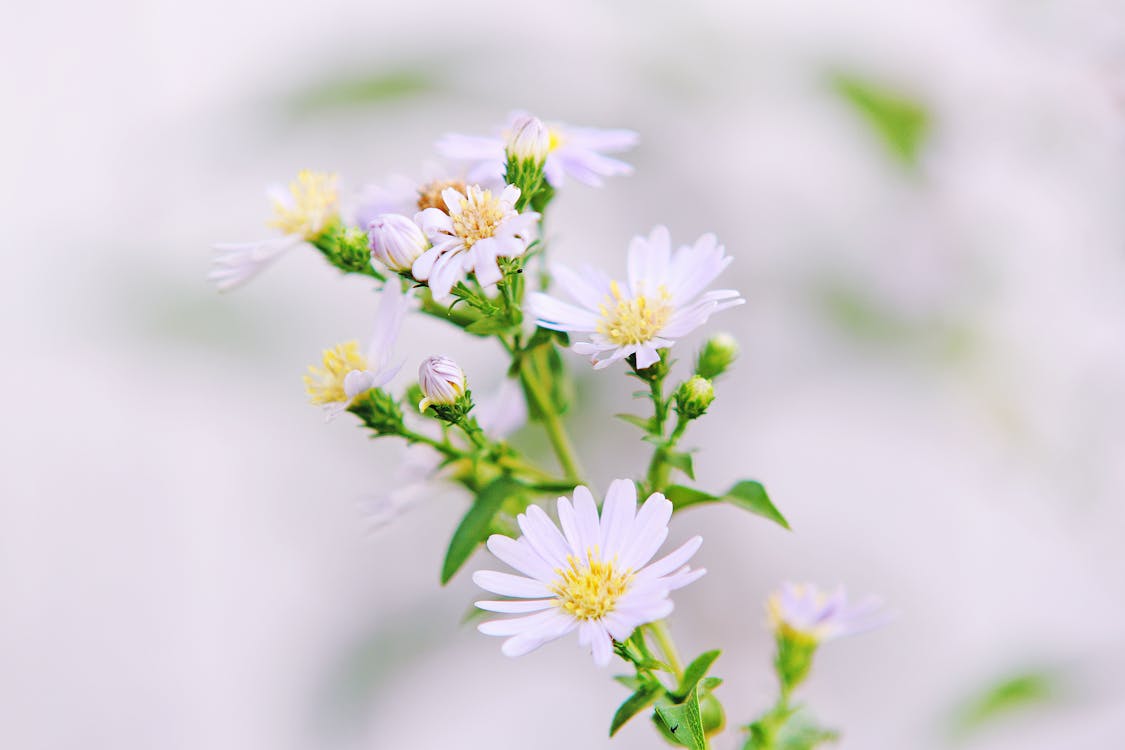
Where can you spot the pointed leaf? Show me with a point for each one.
(634, 704)
(645, 423)
(476, 524)
(697, 670)
(681, 461)
(751, 496)
(684, 497)
(684, 722)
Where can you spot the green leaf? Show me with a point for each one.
(633, 705)
(697, 670)
(645, 423)
(630, 681)
(490, 325)
(363, 90)
(476, 524)
(901, 122)
(684, 497)
(681, 461)
(684, 722)
(710, 683)
(751, 496)
(1006, 696)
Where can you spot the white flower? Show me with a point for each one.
(396, 241)
(571, 152)
(529, 140)
(442, 382)
(805, 612)
(476, 228)
(661, 301)
(595, 576)
(346, 373)
(302, 213)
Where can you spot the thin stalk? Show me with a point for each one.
(663, 637)
(553, 425)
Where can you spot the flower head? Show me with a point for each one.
(442, 382)
(345, 372)
(529, 140)
(593, 576)
(802, 612)
(310, 203)
(476, 228)
(579, 153)
(396, 241)
(662, 300)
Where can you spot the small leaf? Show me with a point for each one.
(490, 325)
(684, 497)
(476, 524)
(710, 683)
(900, 121)
(628, 680)
(634, 704)
(645, 423)
(751, 496)
(697, 670)
(684, 722)
(681, 461)
(1010, 695)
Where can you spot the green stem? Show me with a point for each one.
(663, 638)
(556, 433)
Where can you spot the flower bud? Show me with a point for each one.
(396, 241)
(694, 396)
(530, 140)
(442, 382)
(716, 356)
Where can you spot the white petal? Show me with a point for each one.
(586, 520)
(393, 303)
(647, 356)
(601, 645)
(515, 606)
(520, 555)
(560, 316)
(543, 536)
(648, 261)
(357, 382)
(672, 560)
(506, 584)
(650, 529)
(554, 627)
(514, 625)
(588, 290)
(617, 516)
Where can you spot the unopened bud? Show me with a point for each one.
(694, 396)
(396, 241)
(530, 140)
(717, 355)
(443, 384)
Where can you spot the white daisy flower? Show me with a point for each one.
(662, 301)
(399, 194)
(302, 213)
(594, 576)
(804, 612)
(346, 373)
(573, 152)
(476, 228)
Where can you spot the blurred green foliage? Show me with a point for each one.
(363, 90)
(900, 121)
(1007, 696)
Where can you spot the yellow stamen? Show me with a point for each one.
(325, 385)
(554, 139)
(481, 214)
(313, 205)
(634, 320)
(589, 590)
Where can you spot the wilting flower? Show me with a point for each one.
(396, 241)
(804, 612)
(302, 213)
(345, 372)
(442, 382)
(571, 152)
(594, 576)
(661, 301)
(476, 228)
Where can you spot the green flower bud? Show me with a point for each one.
(712, 713)
(379, 411)
(694, 396)
(716, 356)
(795, 651)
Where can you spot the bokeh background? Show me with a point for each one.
(926, 203)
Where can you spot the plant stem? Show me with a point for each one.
(556, 433)
(663, 637)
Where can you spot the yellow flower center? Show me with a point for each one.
(481, 214)
(325, 385)
(313, 205)
(554, 139)
(633, 320)
(589, 590)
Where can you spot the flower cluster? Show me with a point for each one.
(455, 246)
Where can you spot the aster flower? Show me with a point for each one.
(475, 229)
(573, 152)
(345, 372)
(594, 576)
(662, 300)
(396, 241)
(441, 381)
(399, 194)
(301, 213)
(804, 612)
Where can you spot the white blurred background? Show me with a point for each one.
(931, 384)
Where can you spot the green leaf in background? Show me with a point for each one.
(899, 120)
(644, 697)
(747, 494)
(697, 670)
(645, 423)
(1007, 696)
(684, 722)
(363, 89)
(682, 461)
(476, 524)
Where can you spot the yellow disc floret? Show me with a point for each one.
(589, 590)
(310, 206)
(325, 385)
(480, 215)
(633, 320)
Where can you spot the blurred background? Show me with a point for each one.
(925, 204)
